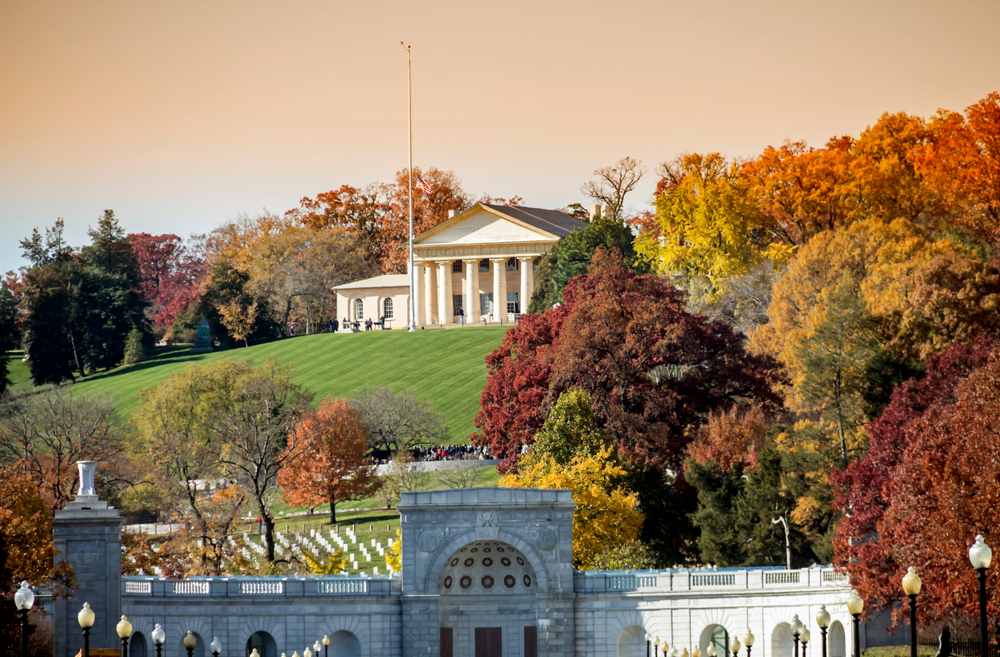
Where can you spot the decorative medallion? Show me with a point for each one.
(505, 561)
(454, 562)
(487, 562)
(545, 539)
(428, 541)
(465, 582)
(527, 580)
(509, 581)
(487, 550)
(487, 526)
(520, 561)
(447, 582)
(469, 562)
(487, 582)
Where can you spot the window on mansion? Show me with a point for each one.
(387, 308)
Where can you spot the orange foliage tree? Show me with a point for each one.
(334, 466)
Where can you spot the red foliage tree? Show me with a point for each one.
(865, 490)
(170, 273)
(653, 371)
(334, 466)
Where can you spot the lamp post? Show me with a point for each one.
(159, 636)
(696, 652)
(796, 631)
(656, 645)
(317, 648)
(326, 646)
(823, 620)
(86, 620)
(649, 640)
(124, 629)
(911, 587)
(190, 641)
(804, 639)
(734, 646)
(855, 605)
(748, 640)
(980, 555)
(216, 646)
(23, 600)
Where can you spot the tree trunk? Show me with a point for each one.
(333, 511)
(268, 529)
(788, 543)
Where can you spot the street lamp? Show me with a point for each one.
(124, 629)
(23, 600)
(673, 652)
(159, 636)
(712, 650)
(696, 652)
(734, 646)
(684, 653)
(307, 652)
(911, 587)
(796, 631)
(980, 555)
(86, 620)
(317, 648)
(190, 641)
(656, 645)
(216, 646)
(326, 646)
(748, 640)
(823, 620)
(649, 640)
(804, 638)
(855, 605)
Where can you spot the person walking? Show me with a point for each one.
(461, 316)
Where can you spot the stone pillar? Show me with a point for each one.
(527, 281)
(499, 266)
(418, 298)
(430, 294)
(471, 291)
(87, 534)
(444, 292)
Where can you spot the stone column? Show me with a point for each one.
(499, 288)
(87, 534)
(430, 294)
(527, 281)
(471, 291)
(444, 292)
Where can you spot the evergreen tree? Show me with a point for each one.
(49, 339)
(9, 336)
(719, 539)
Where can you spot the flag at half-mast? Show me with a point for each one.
(424, 187)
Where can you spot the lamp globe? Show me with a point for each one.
(911, 582)
(307, 652)
(734, 645)
(216, 645)
(980, 554)
(317, 647)
(86, 617)
(326, 640)
(158, 635)
(656, 641)
(673, 652)
(796, 625)
(190, 641)
(24, 598)
(855, 604)
(685, 653)
(804, 635)
(124, 628)
(696, 652)
(748, 638)
(823, 617)
(712, 650)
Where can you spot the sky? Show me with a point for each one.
(180, 115)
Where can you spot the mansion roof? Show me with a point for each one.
(554, 222)
(388, 280)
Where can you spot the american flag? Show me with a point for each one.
(424, 187)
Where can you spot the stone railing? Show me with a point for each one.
(236, 587)
(658, 581)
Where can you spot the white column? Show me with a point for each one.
(499, 289)
(429, 293)
(527, 286)
(418, 297)
(444, 292)
(471, 291)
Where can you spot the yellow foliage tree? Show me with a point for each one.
(606, 515)
(394, 555)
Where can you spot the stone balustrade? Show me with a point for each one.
(269, 587)
(725, 579)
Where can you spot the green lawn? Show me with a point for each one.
(445, 367)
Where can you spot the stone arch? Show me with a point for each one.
(270, 627)
(344, 644)
(631, 642)
(457, 542)
(838, 642)
(137, 645)
(357, 303)
(714, 633)
(352, 625)
(263, 642)
(781, 640)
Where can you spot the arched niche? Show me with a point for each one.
(838, 642)
(344, 644)
(781, 641)
(631, 642)
(716, 634)
(263, 643)
(137, 645)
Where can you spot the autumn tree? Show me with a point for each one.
(613, 184)
(570, 429)
(606, 514)
(335, 466)
(47, 432)
(170, 272)
(961, 161)
(239, 316)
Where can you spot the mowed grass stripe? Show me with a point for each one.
(446, 368)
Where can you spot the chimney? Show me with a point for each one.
(594, 209)
(605, 212)
(452, 213)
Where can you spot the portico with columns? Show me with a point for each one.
(482, 261)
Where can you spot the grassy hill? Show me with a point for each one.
(446, 368)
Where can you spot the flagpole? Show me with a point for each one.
(409, 136)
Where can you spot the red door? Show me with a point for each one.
(489, 642)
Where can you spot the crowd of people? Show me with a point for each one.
(451, 453)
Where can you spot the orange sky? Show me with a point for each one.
(181, 114)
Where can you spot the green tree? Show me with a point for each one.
(719, 539)
(135, 351)
(9, 334)
(571, 429)
(49, 338)
(763, 516)
(572, 256)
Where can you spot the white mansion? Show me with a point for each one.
(481, 261)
